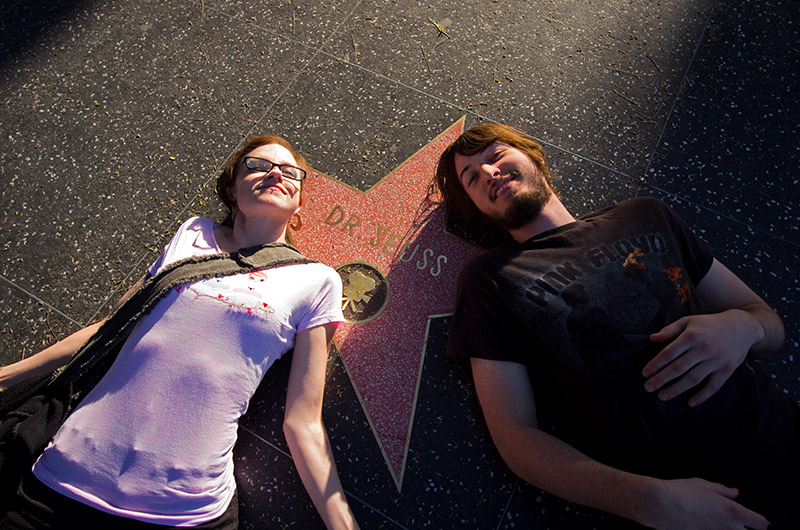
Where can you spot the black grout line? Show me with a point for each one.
(10, 8)
(270, 444)
(305, 67)
(376, 510)
(723, 215)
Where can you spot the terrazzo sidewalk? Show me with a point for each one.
(116, 116)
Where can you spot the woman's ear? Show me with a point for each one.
(295, 222)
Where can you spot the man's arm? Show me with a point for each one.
(509, 408)
(712, 346)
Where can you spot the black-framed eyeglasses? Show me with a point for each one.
(287, 170)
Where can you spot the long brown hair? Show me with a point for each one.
(473, 141)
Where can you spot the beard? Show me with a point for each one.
(527, 205)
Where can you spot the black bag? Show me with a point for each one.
(32, 411)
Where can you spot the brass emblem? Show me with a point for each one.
(365, 291)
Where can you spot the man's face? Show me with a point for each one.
(504, 184)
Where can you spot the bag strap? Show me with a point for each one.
(191, 269)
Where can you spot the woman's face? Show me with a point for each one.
(266, 194)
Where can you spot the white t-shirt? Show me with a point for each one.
(153, 440)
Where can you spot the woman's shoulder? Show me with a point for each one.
(193, 237)
(317, 268)
(199, 230)
(196, 224)
(314, 273)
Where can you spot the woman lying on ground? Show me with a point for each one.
(151, 446)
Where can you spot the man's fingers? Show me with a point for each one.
(664, 360)
(749, 518)
(684, 374)
(670, 352)
(673, 362)
(714, 383)
(670, 331)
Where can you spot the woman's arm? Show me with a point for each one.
(56, 355)
(305, 433)
(46, 360)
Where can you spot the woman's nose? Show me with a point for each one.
(275, 171)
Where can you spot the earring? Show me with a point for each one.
(296, 222)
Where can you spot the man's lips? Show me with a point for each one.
(500, 186)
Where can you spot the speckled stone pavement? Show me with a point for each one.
(116, 115)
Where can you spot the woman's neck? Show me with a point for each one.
(249, 233)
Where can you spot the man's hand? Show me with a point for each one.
(700, 347)
(713, 345)
(697, 504)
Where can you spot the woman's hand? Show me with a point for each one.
(48, 360)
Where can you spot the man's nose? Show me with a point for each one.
(489, 171)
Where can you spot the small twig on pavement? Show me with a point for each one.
(425, 55)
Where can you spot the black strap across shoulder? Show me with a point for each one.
(32, 411)
(192, 269)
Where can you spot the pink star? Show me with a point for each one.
(394, 229)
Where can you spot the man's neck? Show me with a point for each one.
(553, 215)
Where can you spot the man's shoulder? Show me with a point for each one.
(481, 263)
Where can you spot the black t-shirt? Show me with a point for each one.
(576, 305)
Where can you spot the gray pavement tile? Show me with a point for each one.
(307, 22)
(356, 127)
(586, 186)
(454, 474)
(549, 512)
(598, 81)
(732, 142)
(27, 325)
(112, 128)
(271, 494)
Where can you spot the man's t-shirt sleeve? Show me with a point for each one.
(696, 253)
(482, 325)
